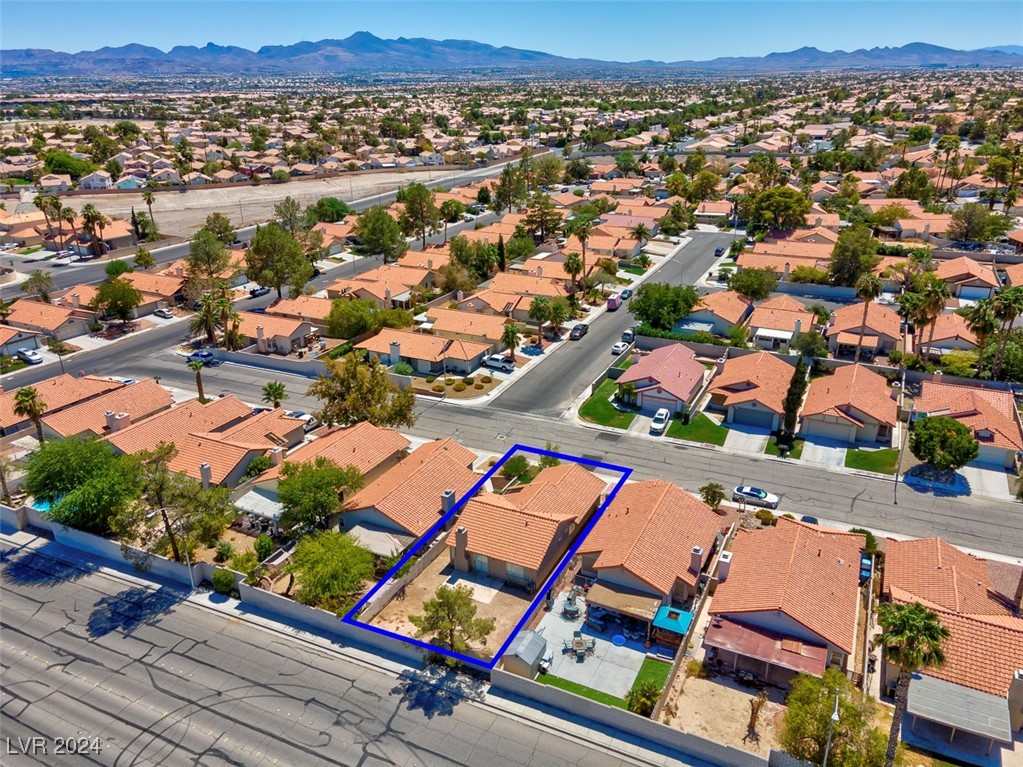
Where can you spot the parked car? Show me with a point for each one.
(205, 356)
(499, 362)
(310, 421)
(578, 331)
(754, 496)
(719, 251)
(809, 520)
(31, 356)
(660, 421)
(164, 312)
(626, 294)
(259, 290)
(628, 335)
(619, 348)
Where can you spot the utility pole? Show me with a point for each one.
(831, 728)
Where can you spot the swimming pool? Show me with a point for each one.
(40, 505)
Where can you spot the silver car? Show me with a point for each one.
(31, 356)
(754, 496)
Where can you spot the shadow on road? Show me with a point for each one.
(131, 608)
(436, 690)
(941, 483)
(34, 568)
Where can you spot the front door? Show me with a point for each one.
(481, 564)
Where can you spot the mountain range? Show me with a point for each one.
(365, 52)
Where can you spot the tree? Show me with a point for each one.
(196, 367)
(311, 492)
(1007, 305)
(703, 186)
(274, 393)
(39, 283)
(548, 169)
(332, 568)
(868, 289)
(94, 221)
(854, 254)
(475, 255)
(541, 215)
(208, 316)
(559, 312)
(920, 134)
(275, 259)
(220, 227)
(540, 313)
(580, 228)
(502, 256)
(450, 211)
(420, 216)
(206, 261)
(518, 249)
(754, 284)
(811, 344)
(912, 637)
(975, 223)
(115, 269)
(510, 338)
(449, 619)
(781, 207)
(351, 318)
(981, 321)
(329, 209)
(661, 305)
(625, 162)
(352, 391)
(933, 298)
(712, 494)
(640, 232)
(943, 442)
(378, 232)
(144, 259)
(288, 215)
(577, 169)
(147, 198)
(28, 404)
(794, 397)
(117, 298)
(643, 697)
(912, 184)
(455, 277)
(573, 266)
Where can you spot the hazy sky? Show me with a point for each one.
(617, 30)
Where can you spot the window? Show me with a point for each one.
(515, 571)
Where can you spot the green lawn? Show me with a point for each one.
(637, 270)
(578, 689)
(598, 409)
(699, 429)
(625, 362)
(15, 364)
(881, 461)
(795, 452)
(656, 670)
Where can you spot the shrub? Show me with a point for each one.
(766, 517)
(486, 379)
(404, 369)
(515, 466)
(871, 545)
(477, 386)
(222, 580)
(257, 466)
(438, 388)
(449, 381)
(469, 380)
(264, 546)
(430, 379)
(458, 387)
(224, 551)
(895, 358)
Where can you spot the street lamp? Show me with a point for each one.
(170, 534)
(831, 728)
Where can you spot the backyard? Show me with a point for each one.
(598, 408)
(699, 429)
(880, 461)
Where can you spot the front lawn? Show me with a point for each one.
(578, 689)
(15, 364)
(795, 452)
(626, 362)
(657, 670)
(637, 270)
(598, 408)
(881, 461)
(699, 429)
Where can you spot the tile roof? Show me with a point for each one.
(726, 304)
(672, 368)
(273, 326)
(155, 284)
(966, 269)
(880, 320)
(36, 314)
(409, 494)
(309, 308)
(650, 529)
(487, 326)
(807, 572)
(421, 346)
(361, 445)
(525, 285)
(58, 392)
(980, 410)
(759, 377)
(782, 313)
(431, 258)
(139, 400)
(947, 327)
(849, 389)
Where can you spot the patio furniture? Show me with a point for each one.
(571, 611)
(579, 644)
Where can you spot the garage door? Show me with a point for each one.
(653, 402)
(839, 431)
(974, 293)
(762, 418)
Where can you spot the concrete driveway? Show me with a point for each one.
(829, 453)
(746, 439)
(988, 480)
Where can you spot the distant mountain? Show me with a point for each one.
(365, 52)
(1017, 49)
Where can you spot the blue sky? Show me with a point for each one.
(606, 29)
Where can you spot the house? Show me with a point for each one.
(427, 354)
(852, 405)
(98, 179)
(751, 389)
(273, 334)
(409, 499)
(923, 225)
(158, 290)
(668, 377)
(787, 601)
(109, 412)
(1016, 240)
(949, 332)
(511, 295)
(129, 181)
(57, 322)
(881, 331)
(520, 536)
(311, 309)
(59, 392)
(649, 549)
(716, 313)
(53, 183)
(709, 212)
(990, 414)
(12, 339)
(775, 322)
(968, 278)
(475, 327)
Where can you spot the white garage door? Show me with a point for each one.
(654, 402)
(762, 418)
(974, 293)
(815, 428)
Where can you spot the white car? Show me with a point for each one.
(754, 496)
(660, 421)
(164, 312)
(620, 348)
(31, 356)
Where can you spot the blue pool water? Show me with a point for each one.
(41, 505)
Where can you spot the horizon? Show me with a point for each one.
(662, 27)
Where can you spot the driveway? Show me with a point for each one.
(746, 439)
(829, 453)
(988, 480)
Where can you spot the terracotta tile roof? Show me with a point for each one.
(431, 258)
(410, 493)
(155, 284)
(36, 314)
(818, 231)
(266, 430)
(778, 263)
(650, 529)
(966, 269)
(726, 304)
(477, 324)
(989, 413)
(273, 326)
(309, 308)
(807, 572)
(948, 327)
(525, 285)
(139, 400)
(402, 275)
(361, 445)
(421, 346)
(1004, 579)
(880, 320)
(8, 334)
(790, 249)
(850, 389)
(1014, 274)
(58, 392)
(782, 313)
(759, 377)
(672, 368)
(85, 295)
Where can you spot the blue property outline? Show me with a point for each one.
(350, 616)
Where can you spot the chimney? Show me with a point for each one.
(276, 456)
(206, 474)
(1015, 697)
(461, 547)
(429, 264)
(387, 295)
(179, 270)
(786, 272)
(724, 565)
(111, 420)
(74, 301)
(260, 340)
(798, 329)
(395, 352)
(818, 221)
(459, 295)
(696, 559)
(118, 421)
(447, 501)
(539, 270)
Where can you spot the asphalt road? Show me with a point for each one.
(158, 681)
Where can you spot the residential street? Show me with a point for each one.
(156, 681)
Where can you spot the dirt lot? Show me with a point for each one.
(240, 541)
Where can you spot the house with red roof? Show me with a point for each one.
(750, 390)
(881, 330)
(669, 377)
(854, 404)
(968, 278)
(716, 313)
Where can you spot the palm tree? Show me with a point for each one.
(540, 312)
(981, 320)
(68, 216)
(39, 283)
(640, 232)
(5, 468)
(558, 313)
(42, 202)
(581, 229)
(28, 404)
(274, 393)
(911, 636)
(573, 266)
(92, 220)
(868, 288)
(232, 334)
(147, 198)
(510, 337)
(1007, 306)
(932, 304)
(196, 367)
(206, 318)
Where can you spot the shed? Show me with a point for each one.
(524, 654)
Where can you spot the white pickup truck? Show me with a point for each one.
(499, 362)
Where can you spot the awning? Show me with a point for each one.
(961, 708)
(384, 543)
(781, 335)
(769, 646)
(623, 600)
(852, 339)
(673, 619)
(262, 503)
